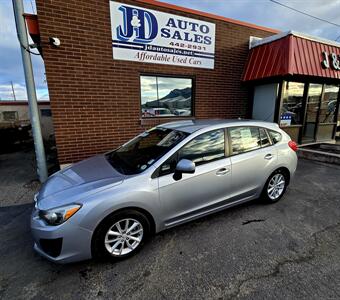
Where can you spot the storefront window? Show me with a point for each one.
(312, 109)
(328, 104)
(166, 96)
(291, 104)
(313, 102)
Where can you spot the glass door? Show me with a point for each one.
(327, 115)
(311, 115)
(291, 109)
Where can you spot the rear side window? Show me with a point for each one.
(244, 139)
(275, 136)
(264, 138)
(204, 148)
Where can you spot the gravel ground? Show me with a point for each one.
(18, 179)
(289, 250)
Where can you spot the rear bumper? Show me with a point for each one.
(61, 244)
(294, 166)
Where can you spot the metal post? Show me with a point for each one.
(18, 8)
(15, 99)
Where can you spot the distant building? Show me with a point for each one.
(15, 114)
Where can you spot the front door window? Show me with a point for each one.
(202, 190)
(205, 148)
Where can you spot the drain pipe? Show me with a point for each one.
(18, 8)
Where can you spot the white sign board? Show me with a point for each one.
(150, 36)
(286, 119)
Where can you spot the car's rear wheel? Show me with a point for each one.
(120, 235)
(275, 186)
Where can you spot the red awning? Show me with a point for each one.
(292, 55)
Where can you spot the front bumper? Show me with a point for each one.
(65, 243)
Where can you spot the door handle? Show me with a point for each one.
(222, 171)
(268, 156)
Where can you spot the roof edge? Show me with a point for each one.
(23, 102)
(294, 33)
(207, 15)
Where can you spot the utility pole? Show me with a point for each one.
(15, 98)
(18, 8)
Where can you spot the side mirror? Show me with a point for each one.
(184, 166)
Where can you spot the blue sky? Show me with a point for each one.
(261, 12)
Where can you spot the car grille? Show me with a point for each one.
(52, 247)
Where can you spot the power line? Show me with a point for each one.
(15, 98)
(304, 13)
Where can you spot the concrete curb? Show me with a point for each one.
(325, 157)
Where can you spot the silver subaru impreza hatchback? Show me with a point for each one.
(108, 205)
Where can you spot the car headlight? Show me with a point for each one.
(59, 215)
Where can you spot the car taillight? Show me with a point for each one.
(292, 145)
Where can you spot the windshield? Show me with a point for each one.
(141, 152)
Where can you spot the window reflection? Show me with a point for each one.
(291, 104)
(166, 96)
(204, 148)
(275, 136)
(328, 104)
(141, 152)
(312, 108)
(314, 94)
(264, 138)
(244, 139)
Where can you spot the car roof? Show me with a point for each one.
(191, 126)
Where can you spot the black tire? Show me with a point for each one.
(99, 250)
(265, 195)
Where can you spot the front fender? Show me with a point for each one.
(98, 208)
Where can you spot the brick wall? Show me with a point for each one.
(95, 100)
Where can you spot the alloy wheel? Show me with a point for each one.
(276, 186)
(123, 237)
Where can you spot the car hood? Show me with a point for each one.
(78, 181)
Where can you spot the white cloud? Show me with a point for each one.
(266, 13)
(165, 86)
(10, 57)
(6, 92)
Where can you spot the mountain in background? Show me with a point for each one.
(177, 98)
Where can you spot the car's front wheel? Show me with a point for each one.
(120, 235)
(275, 186)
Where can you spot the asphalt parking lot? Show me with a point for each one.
(289, 250)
